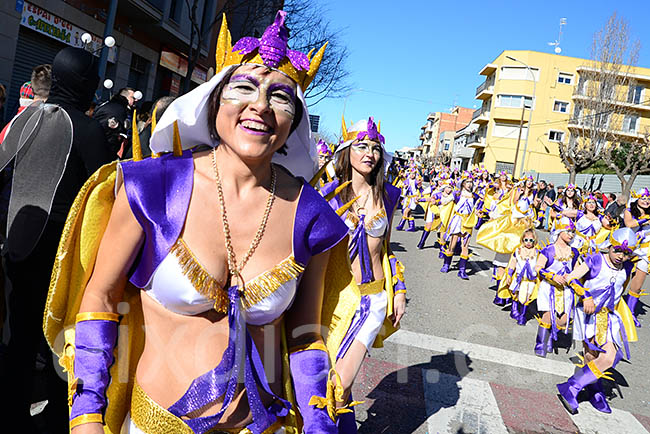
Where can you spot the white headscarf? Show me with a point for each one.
(191, 112)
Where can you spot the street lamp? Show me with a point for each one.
(530, 115)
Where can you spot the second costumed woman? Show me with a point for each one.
(367, 205)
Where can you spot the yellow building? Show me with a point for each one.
(503, 119)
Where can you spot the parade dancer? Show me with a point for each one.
(362, 159)
(460, 227)
(521, 279)
(209, 319)
(637, 218)
(554, 297)
(503, 234)
(428, 202)
(589, 223)
(483, 183)
(569, 199)
(603, 320)
(411, 195)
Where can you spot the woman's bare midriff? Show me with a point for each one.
(375, 246)
(180, 348)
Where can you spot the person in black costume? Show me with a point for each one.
(115, 118)
(29, 258)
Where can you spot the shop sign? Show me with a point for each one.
(178, 64)
(44, 22)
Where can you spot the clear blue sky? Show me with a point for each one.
(413, 57)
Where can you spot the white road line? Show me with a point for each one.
(591, 421)
(455, 404)
(482, 352)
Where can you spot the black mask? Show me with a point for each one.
(75, 78)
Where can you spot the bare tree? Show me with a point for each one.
(308, 29)
(629, 159)
(598, 111)
(443, 157)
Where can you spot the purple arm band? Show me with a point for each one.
(511, 271)
(309, 371)
(398, 276)
(641, 222)
(94, 343)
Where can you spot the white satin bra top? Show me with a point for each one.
(182, 285)
(375, 227)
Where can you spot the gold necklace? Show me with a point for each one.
(233, 269)
(363, 207)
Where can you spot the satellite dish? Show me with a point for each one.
(558, 50)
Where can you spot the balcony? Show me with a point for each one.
(475, 141)
(509, 114)
(627, 135)
(481, 116)
(485, 90)
(629, 105)
(488, 69)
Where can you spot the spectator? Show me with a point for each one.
(32, 91)
(115, 118)
(159, 107)
(34, 234)
(616, 208)
(549, 199)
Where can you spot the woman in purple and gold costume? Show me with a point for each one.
(603, 322)
(637, 218)
(194, 247)
(367, 204)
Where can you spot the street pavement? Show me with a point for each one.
(459, 364)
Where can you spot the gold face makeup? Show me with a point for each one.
(249, 88)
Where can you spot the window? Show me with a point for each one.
(175, 9)
(518, 73)
(509, 131)
(561, 106)
(555, 136)
(565, 78)
(634, 94)
(514, 101)
(630, 123)
(446, 144)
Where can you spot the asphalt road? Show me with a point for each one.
(453, 339)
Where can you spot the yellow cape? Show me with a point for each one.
(73, 267)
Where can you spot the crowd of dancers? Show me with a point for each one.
(575, 281)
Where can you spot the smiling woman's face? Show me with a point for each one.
(257, 107)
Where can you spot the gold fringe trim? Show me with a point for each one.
(267, 283)
(202, 281)
(380, 215)
(255, 291)
(602, 326)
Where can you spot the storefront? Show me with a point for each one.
(40, 37)
(172, 71)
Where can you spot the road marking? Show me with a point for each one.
(591, 421)
(455, 404)
(482, 352)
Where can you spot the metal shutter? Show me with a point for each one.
(32, 49)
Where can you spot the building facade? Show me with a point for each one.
(152, 39)
(462, 154)
(439, 122)
(548, 83)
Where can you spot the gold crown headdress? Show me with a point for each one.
(372, 132)
(270, 50)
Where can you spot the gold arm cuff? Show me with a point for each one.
(87, 418)
(370, 288)
(312, 346)
(106, 316)
(401, 291)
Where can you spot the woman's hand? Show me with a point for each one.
(559, 279)
(588, 306)
(399, 308)
(508, 281)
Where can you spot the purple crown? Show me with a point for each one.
(371, 132)
(323, 149)
(272, 46)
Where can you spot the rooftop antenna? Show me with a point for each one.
(556, 44)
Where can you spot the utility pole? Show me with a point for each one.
(530, 116)
(521, 127)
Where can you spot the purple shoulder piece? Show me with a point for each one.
(391, 197)
(158, 191)
(579, 215)
(336, 201)
(576, 256)
(549, 252)
(317, 227)
(594, 262)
